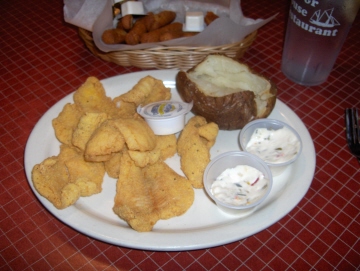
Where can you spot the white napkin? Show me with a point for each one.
(83, 13)
(231, 27)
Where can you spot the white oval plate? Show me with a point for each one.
(203, 225)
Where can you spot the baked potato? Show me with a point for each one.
(226, 91)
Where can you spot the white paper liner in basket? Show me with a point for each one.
(231, 27)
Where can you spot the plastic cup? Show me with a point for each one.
(315, 33)
(165, 117)
(230, 160)
(248, 130)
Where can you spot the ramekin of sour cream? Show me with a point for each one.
(238, 182)
(274, 141)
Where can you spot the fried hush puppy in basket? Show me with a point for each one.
(160, 194)
(148, 28)
(194, 145)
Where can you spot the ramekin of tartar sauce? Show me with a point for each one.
(238, 182)
(274, 141)
(165, 117)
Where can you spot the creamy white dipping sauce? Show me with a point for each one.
(241, 185)
(274, 146)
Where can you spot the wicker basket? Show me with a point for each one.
(180, 57)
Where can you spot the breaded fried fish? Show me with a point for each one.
(104, 141)
(137, 134)
(194, 145)
(165, 148)
(88, 123)
(91, 97)
(147, 90)
(112, 166)
(66, 122)
(145, 195)
(64, 178)
(111, 136)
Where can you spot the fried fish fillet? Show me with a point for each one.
(112, 166)
(66, 122)
(88, 123)
(194, 145)
(91, 97)
(64, 178)
(147, 90)
(125, 109)
(137, 133)
(165, 148)
(167, 145)
(145, 195)
(98, 133)
(111, 136)
(104, 141)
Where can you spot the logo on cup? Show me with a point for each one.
(324, 19)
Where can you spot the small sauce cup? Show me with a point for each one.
(230, 160)
(132, 7)
(194, 21)
(270, 124)
(165, 117)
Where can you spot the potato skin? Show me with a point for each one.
(218, 109)
(270, 101)
(229, 112)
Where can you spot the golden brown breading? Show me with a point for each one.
(167, 145)
(111, 136)
(165, 148)
(127, 21)
(64, 178)
(91, 97)
(154, 36)
(66, 122)
(101, 135)
(125, 110)
(156, 21)
(142, 159)
(147, 90)
(87, 176)
(104, 141)
(160, 194)
(209, 133)
(137, 134)
(193, 146)
(133, 36)
(88, 123)
(112, 166)
(113, 36)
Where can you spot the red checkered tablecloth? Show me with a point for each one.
(43, 59)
